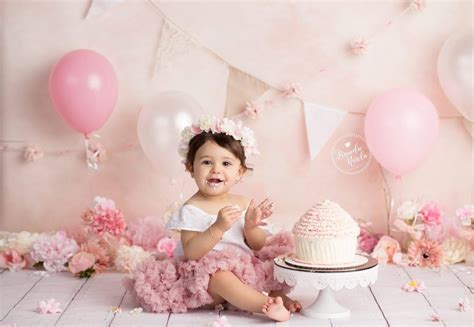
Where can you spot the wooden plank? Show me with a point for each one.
(199, 317)
(364, 309)
(465, 274)
(399, 307)
(13, 287)
(93, 303)
(60, 286)
(142, 319)
(443, 291)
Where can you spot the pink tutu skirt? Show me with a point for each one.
(176, 285)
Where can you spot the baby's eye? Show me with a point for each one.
(227, 163)
(206, 162)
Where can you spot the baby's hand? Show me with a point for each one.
(256, 214)
(227, 216)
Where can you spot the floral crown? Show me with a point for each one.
(215, 125)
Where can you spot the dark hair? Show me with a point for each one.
(221, 139)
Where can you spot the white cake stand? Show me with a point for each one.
(326, 280)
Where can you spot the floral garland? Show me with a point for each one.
(213, 125)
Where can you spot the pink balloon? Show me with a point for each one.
(401, 127)
(83, 88)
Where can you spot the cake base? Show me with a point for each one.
(359, 260)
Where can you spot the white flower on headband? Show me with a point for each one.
(215, 125)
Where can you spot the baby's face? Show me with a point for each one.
(215, 169)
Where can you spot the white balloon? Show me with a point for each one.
(159, 127)
(455, 71)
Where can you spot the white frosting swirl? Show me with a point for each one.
(327, 220)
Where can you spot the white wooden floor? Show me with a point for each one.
(87, 302)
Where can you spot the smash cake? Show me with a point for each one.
(326, 235)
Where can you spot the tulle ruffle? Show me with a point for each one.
(176, 285)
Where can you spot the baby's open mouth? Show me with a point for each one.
(213, 182)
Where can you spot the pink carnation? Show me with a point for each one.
(107, 218)
(12, 259)
(54, 251)
(432, 214)
(367, 241)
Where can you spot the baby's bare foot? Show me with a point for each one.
(289, 303)
(275, 309)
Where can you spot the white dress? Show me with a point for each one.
(192, 218)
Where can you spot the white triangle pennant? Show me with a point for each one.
(321, 122)
(98, 7)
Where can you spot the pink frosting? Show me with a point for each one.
(326, 219)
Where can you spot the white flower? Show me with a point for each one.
(408, 210)
(455, 250)
(23, 241)
(206, 123)
(128, 257)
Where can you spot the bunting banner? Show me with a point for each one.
(321, 123)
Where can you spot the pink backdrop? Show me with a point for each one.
(275, 42)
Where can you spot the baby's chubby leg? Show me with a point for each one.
(228, 286)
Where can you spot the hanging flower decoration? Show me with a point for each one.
(32, 153)
(292, 90)
(418, 5)
(425, 253)
(414, 286)
(254, 110)
(359, 46)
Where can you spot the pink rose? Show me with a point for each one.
(167, 245)
(81, 261)
(385, 249)
(12, 259)
(88, 216)
(432, 214)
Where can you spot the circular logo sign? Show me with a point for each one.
(350, 154)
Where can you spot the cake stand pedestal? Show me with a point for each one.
(326, 280)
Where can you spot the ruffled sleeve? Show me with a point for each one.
(190, 218)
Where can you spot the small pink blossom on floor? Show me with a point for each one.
(115, 309)
(414, 286)
(221, 322)
(435, 317)
(167, 245)
(359, 46)
(464, 304)
(50, 306)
